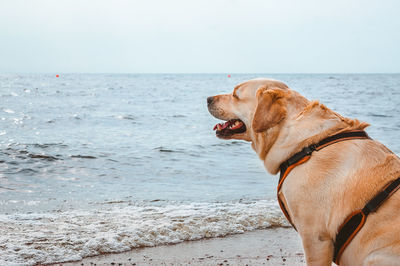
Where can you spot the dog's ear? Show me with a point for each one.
(270, 109)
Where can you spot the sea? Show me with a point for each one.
(99, 163)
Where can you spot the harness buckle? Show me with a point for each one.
(308, 150)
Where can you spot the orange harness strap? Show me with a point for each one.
(355, 221)
(353, 224)
(305, 154)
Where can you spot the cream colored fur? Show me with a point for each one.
(335, 182)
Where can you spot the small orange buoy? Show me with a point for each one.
(57, 76)
(229, 76)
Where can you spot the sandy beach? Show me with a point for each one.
(278, 246)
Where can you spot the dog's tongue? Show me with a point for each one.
(221, 126)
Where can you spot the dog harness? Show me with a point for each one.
(355, 221)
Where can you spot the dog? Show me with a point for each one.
(336, 181)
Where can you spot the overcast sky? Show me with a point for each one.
(184, 36)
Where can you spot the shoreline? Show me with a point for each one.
(275, 246)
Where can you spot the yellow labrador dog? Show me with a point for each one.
(336, 181)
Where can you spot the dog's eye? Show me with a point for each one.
(235, 96)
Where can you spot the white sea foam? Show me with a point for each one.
(57, 237)
(9, 111)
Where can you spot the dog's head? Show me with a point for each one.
(254, 107)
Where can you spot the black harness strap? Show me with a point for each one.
(320, 145)
(353, 224)
(305, 154)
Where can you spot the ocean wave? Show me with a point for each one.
(229, 143)
(163, 149)
(69, 236)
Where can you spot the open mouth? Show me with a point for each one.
(229, 128)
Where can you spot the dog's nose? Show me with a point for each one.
(210, 100)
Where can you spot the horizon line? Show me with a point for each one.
(211, 73)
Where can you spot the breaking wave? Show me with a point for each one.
(68, 236)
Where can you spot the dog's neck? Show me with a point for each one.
(310, 126)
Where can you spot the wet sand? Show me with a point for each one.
(279, 246)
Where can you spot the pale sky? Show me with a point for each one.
(205, 36)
